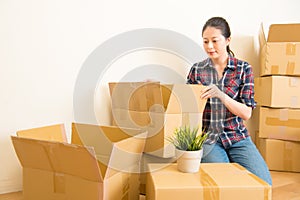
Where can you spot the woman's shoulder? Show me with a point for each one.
(202, 63)
(238, 62)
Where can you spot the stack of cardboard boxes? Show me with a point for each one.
(277, 92)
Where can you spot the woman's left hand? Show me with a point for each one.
(212, 91)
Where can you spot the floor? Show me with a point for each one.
(286, 186)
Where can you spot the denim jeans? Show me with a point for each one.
(243, 152)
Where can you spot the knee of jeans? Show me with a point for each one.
(211, 158)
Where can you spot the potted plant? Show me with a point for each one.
(188, 147)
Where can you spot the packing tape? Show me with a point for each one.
(59, 182)
(287, 156)
(290, 49)
(292, 123)
(294, 81)
(294, 103)
(211, 189)
(290, 68)
(284, 114)
(274, 69)
(267, 189)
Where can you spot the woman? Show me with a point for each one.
(230, 100)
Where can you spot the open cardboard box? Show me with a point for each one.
(280, 50)
(96, 169)
(157, 108)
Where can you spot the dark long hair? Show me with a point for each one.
(221, 24)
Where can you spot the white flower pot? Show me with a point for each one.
(188, 161)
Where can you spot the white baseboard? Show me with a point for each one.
(8, 186)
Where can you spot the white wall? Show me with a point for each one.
(44, 43)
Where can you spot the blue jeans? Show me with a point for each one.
(243, 152)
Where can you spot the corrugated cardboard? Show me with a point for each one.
(50, 133)
(280, 50)
(279, 123)
(147, 159)
(214, 181)
(277, 91)
(56, 170)
(157, 108)
(280, 155)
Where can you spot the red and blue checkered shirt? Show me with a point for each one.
(238, 83)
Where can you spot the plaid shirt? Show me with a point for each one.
(238, 83)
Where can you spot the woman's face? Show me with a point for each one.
(214, 43)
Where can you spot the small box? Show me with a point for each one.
(279, 123)
(280, 50)
(158, 109)
(277, 91)
(220, 181)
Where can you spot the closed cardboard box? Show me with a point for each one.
(158, 109)
(279, 123)
(214, 181)
(280, 155)
(280, 50)
(277, 91)
(92, 170)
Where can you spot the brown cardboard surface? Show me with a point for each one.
(279, 123)
(280, 155)
(159, 127)
(116, 148)
(277, 91)
(218, 181)
(279, 50)
(50, 133)
(165, 107)
(57, 170)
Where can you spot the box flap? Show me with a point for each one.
(31, 153)
(284, 33)
(116, 148)
(57, 157)
(185, 99)
(137, 96)
(50, 133)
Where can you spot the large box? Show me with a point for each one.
(280, 50)
(279, 123)
(157, 108)
(93, 170)
(277, 91)
(280, 155)
(214, 181)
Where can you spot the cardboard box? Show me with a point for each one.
(214, 181)
(280, 155)
(280, 50)
(157, 108)
(56, 170)
(55, 132)
(147, 159)
(279, 123)
(277, 91)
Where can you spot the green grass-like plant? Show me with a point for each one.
(186, 138)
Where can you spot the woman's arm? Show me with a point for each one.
(237, 108)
